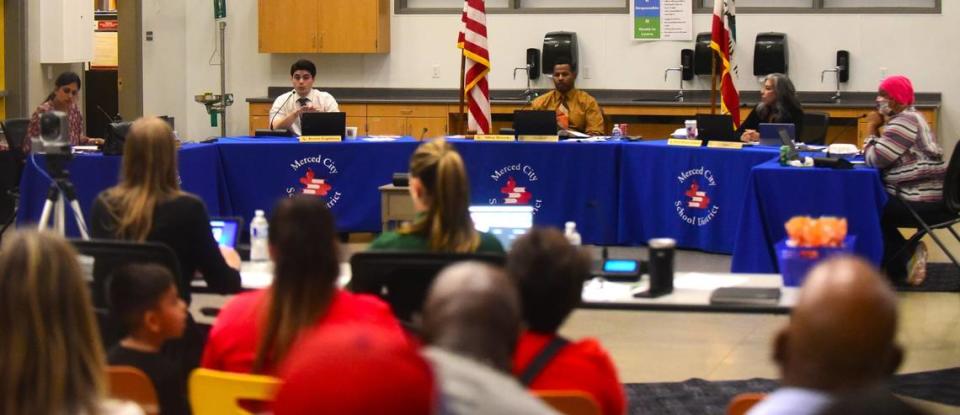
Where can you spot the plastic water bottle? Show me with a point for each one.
(259, 230)
(570, 231)
(615, 135)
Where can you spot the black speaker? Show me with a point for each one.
(703, 55)
(686, 62)
(770, 54)
(533, 59)
(843, 62)
(560, 45)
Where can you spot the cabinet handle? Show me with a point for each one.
(406, 112)
(314, 41)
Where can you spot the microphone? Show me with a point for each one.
(423, 133)
(110, 118)
(274, 117)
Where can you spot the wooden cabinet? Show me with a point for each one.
(324, 26)
(260, 116)
(418, 121)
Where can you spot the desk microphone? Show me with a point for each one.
(111, 118)
(274, 117)
(423, 133)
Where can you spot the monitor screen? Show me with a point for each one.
(225, 231)
(506, 223)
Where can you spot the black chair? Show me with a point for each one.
(815, 125)
(403, 278)
(925, 222)
(12, 163)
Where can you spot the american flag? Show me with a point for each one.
(473, 42)
(724, 41)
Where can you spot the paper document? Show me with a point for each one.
(573, 133)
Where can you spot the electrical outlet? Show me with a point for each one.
(436, 71)
(587, 72)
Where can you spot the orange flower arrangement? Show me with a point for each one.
(827, 231)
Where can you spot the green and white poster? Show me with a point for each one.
(663, 19)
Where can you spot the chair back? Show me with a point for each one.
(403, 278)
(815, 125)
(214, 392)
(15, 129)
(742, 403)
(109, 255)
(951, 182)
(128, 383)
(570, 402)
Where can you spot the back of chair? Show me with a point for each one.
(742, 403)
(214, 392)
(128, 383)
(109, 255)
(15, 130)
(951, 183)
(570, 402)
(403, 278)
(815, 125)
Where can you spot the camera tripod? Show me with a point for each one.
(61, 193)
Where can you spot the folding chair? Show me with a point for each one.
(213, 392)
(128, 383)
(570, 402)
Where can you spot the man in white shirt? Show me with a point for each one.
(286, 110)
(840, 338)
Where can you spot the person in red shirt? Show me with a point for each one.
(256, 330)
(550, 274)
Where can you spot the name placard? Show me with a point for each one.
(684, 142)
(494, 137)
(733, 145)
(320, 138)
(539, 138)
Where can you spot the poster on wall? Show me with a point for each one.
(663, 19)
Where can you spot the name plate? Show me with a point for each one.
(539, 138)
(734, 145)
(320, 138)
(494, 137)
(684, 142)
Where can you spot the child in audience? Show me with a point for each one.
(144, 298)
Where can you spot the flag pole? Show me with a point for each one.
(462, 116)
(713, 82)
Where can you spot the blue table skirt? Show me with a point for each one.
(691, 194)
(775, 194)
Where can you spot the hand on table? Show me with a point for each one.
(91, 141)
(750, 136)
(231, 256)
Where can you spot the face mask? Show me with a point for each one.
(883, 107)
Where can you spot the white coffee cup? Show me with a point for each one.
(691, 127)
(351, 133)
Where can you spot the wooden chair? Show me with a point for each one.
(570, 402)
(742, 403)
(128, 383)
(216, 392)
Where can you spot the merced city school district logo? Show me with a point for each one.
(695, 205)
(313, 178)
(514, 192)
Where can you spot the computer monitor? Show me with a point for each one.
(226, 230)
(506, 223)
(323, 123)
(716, 127)
(770, 134)
(528, 122)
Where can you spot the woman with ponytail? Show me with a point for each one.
(62, 99)
(441, 196)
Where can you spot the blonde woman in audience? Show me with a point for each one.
(441, 197)
(51, 360)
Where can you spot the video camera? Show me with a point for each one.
(54, 143)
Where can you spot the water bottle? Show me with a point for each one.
(258, 237)
(614, 136)
(570, 232)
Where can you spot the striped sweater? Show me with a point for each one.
(910, 162)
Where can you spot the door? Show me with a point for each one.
(288, 26)
(348, 26)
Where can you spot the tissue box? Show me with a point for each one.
(795, 262)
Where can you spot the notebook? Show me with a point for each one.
(225, 231)
(506, 223)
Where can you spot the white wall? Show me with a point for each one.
(915, 45)
(40, 78)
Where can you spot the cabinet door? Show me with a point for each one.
(360, 123)
(288, 26)
(421, 128)
(348, 26)
(386, 125)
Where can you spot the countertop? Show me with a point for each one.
(658, 98)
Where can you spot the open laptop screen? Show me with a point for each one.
(225, 231)
(506, 223)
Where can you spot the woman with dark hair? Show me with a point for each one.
(441, 196)
(778, 104)
(63, 99)
(256, 330)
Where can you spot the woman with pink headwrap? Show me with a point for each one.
(904, 149)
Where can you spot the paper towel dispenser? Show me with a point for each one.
(703, 55)
(770, 54)
(558, 45)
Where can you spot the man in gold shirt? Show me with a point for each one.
(576, 110)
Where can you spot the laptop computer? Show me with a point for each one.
(323, 123)
(770, 134)
(716, 127)
(530, 122)
(506, 223)
(226, 230)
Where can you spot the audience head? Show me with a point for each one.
(51, 360)
(355, 370)
(306, 259)
(841, 333)
(440, 188)
(148, 176)
(778, 95)
(895, 95)
(564, 75)
(303, 73)
(550, 273)
(66, 89)
(143, 297)
(473, 310)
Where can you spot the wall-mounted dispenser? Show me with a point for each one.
(770, 54)
(843, 65)
(703, 55)
(533, 62)
(686, 62)
(560, 45)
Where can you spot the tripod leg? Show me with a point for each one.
(53, 194)
(60, 220)
(78, 216)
